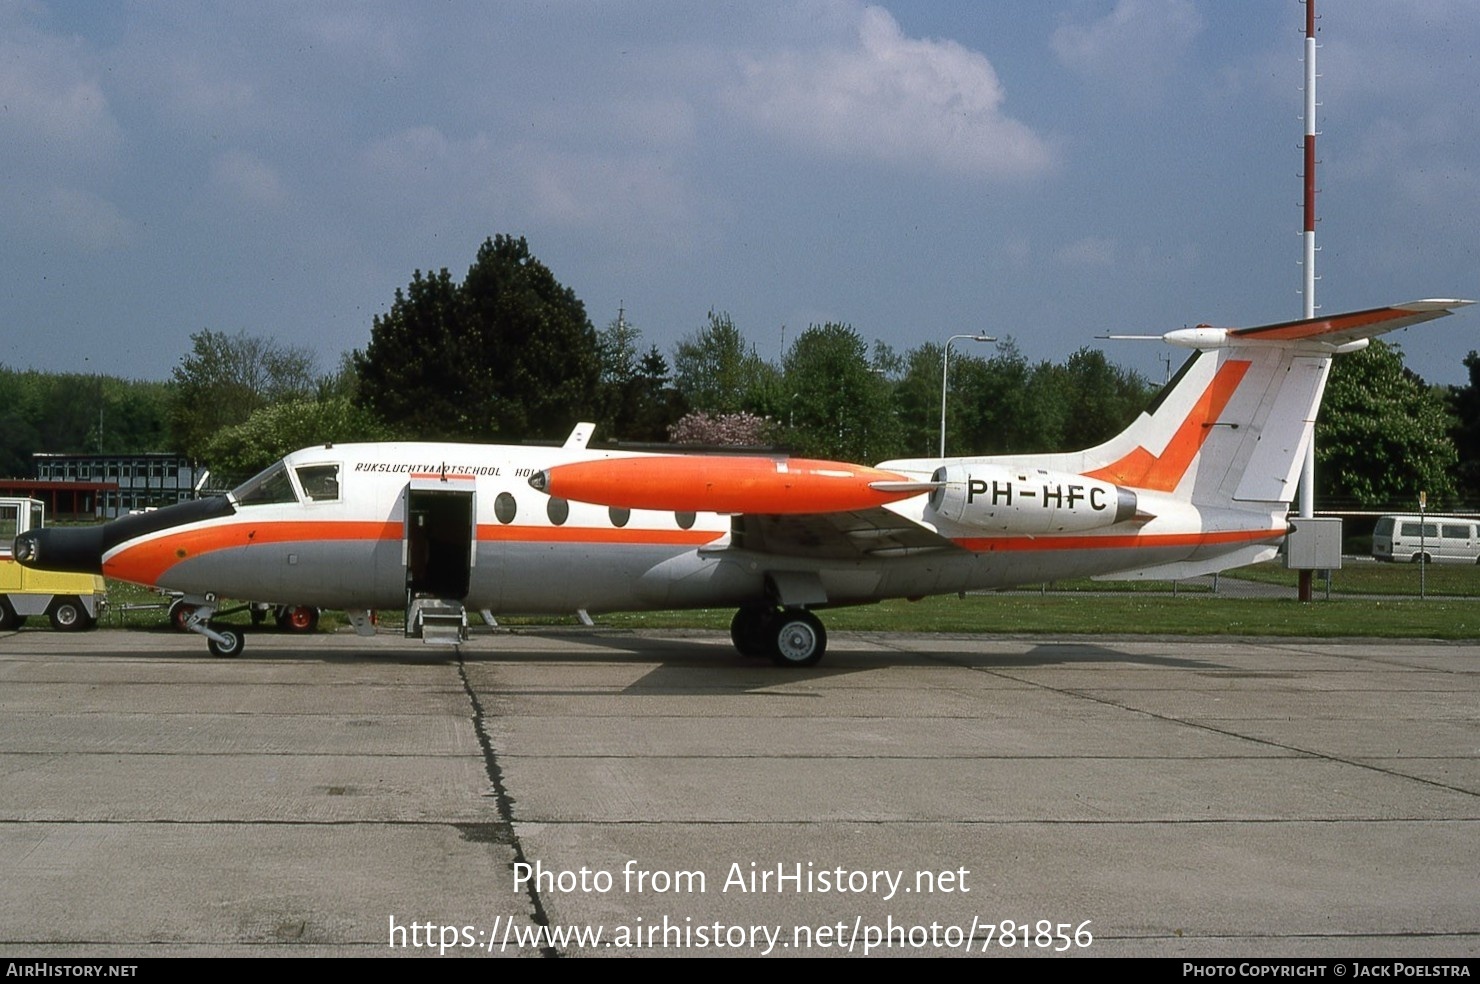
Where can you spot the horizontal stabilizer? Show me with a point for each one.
(1342, 328)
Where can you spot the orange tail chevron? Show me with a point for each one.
(1144, 470)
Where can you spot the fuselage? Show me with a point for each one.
(357, 526)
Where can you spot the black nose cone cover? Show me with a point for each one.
(80, 549)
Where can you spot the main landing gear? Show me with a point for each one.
(789, 636)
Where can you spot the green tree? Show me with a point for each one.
(637, 402)
(1464, 404)
(842, 408)
(77, 413)
(135, 416)
(236, 453)
(225, 378)
(508, 353)
(1082, 402)
(1002, 405)
(1383, 434)
(993, 410)
(917, 398)
(717, 372)
(661, 404)
(1103, 399)
(19, 437)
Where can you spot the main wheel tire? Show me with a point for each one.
(180, 612)
(302, 618)
(750, 630)
(235, 641)
(8, 618)
(67, 614)
(797, 638)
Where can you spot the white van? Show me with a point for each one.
(1441, 539)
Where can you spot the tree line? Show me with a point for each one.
(508, 353)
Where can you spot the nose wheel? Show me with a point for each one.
(223, 642)
(230, 644)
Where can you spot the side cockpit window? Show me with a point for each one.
(270, 486)
(320, 483)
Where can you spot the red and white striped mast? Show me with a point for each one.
(1308, 475)
(1310, 161)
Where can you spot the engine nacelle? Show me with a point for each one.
(1028, 500)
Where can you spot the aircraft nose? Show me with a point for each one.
(69, 550)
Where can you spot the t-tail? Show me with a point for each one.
(1230, 430)
(1220, 448)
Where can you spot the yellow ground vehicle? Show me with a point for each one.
(71, 601)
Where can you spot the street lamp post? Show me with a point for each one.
(945, 368)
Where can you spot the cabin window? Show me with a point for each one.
(558, 510)
(505, 508)
(270, 486)
(320, 483)
(10, 518)
(1456, 532)
(619, 516)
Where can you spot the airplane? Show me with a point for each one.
(1200, 482)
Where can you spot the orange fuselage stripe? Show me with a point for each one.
(989, 544)
(1143, 470)
(146, 562)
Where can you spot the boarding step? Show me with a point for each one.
(439, 621)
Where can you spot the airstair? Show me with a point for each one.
(437, 621)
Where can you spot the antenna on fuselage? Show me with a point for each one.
(580, 436)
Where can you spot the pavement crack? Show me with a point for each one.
(503, 801)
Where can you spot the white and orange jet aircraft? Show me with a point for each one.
(1200, 482)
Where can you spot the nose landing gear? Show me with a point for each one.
(194, 614)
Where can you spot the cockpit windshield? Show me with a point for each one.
(272, 485)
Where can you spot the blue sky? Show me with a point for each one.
(1049, 171)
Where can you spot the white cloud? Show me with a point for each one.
(880, 95)
(199, 92)
(73, 217)
(51, 103)
(618, 195)
(627, 198)
(1135, 47)
(247, 178)
(421, 164)
(58, 133)
(1090, 251)
(1420, 166)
